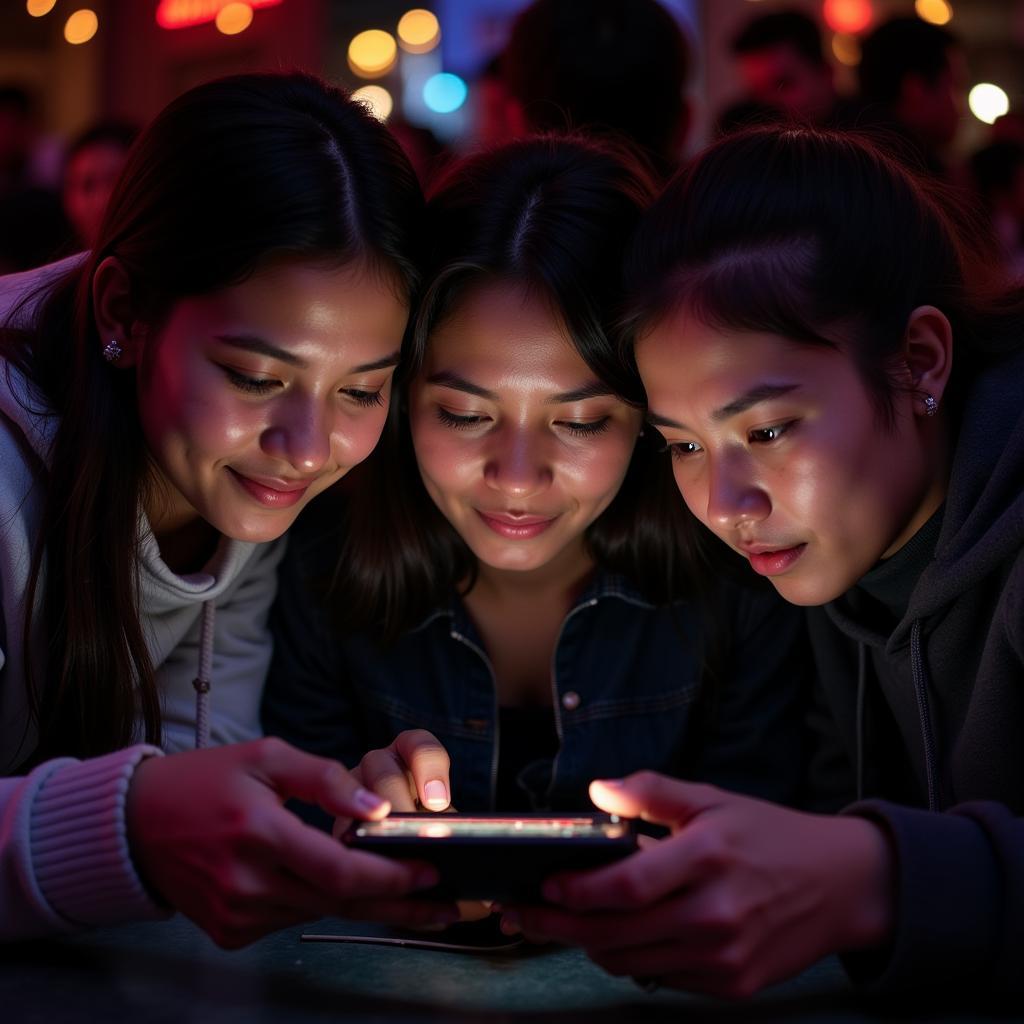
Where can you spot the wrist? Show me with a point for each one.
(866, 889)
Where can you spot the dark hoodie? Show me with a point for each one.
(922, 713)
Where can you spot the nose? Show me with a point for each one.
(300, 434)
(517, 464)
(734, 496)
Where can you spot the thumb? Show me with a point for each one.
(653, 797)
(317, 780)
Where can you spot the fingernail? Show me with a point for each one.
(508, 926)
(611, 783)
(552, 892)
(435, 794)
(368, 801)
(512, 920)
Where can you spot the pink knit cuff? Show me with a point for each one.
(79, 842)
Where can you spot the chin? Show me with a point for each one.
(256, 529)
(807, 593)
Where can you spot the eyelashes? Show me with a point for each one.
(588, 429)
(366, 398)
(264, 385)
(250, 385)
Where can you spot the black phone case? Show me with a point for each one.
(507, 869)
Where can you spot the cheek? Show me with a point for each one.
(596, 471)
(356, 437)
(445, 458)
(692, 490)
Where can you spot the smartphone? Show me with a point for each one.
(502, 857)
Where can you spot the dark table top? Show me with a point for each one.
(170, 972)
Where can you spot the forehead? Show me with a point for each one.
(296, 300)
(685, 362)
(499, 332)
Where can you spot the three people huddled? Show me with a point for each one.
(705, 506)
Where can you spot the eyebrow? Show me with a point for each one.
(262, 347)
(447, 379)
(755, 396)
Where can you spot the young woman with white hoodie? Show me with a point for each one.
(169, 402)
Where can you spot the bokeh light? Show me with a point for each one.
(377, 98)
(81, 26)
(851, 16)
(38, 8)
(938, 12)
(987, 102)
(846, 49)
(419, 31)
(372, 53)
(444, 93)
(233, 18)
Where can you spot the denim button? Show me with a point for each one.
(570, 700)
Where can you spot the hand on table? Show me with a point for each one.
(209, 834)
(742, 893)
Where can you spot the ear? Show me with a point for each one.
(928, 351)
(113, 311)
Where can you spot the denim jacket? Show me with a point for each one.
(625, 679)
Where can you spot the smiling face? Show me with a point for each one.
(778, 449)
(256, 398)
(519, 445)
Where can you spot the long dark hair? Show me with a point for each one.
(553, 214)
(230, 175)
(816, 236)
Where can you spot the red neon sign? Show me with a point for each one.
(186, 13)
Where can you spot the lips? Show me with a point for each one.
(516, 525)
(272, 492)
(771, 560)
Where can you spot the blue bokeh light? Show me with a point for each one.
(444, 93)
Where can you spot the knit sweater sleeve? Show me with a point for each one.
(64, 857)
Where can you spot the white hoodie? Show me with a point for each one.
(64, 860)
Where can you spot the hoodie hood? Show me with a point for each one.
(20, 402)
(983, 523)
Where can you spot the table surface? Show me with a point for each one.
(170, 971)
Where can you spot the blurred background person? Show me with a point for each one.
(997, 171)
(91, 169)
(913, 79)
(781, 62)
(32, 224)
(616, 67)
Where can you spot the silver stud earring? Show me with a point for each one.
(931, 407)
(112, 351)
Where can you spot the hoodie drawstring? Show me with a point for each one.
(861, 696)
(924, 713)
(202, 680)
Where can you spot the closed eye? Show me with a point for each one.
(587, 428)
(450, 419)
(367, 398)
(250, 385)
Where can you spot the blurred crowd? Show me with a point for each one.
(621, 68)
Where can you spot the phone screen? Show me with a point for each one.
(467, 827)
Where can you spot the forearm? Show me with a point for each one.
(64, 858)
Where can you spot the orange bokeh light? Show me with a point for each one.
(850, 16)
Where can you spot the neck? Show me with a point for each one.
(563, 577)
(934, 491)
(186, 540)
